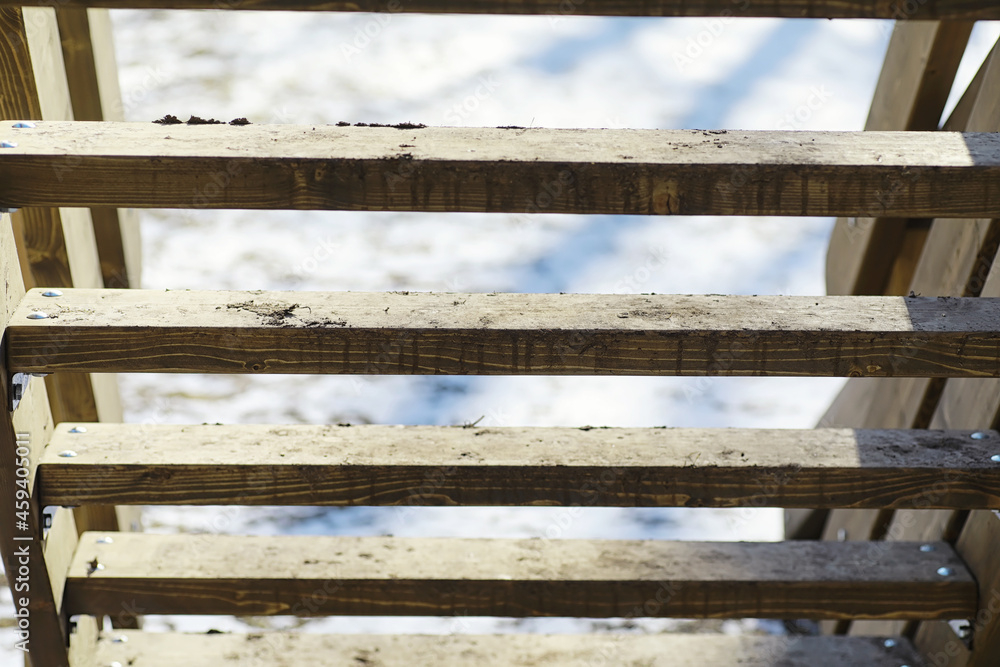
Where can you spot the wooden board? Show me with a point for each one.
(427, 465)
(92, 73)
(937, 9)
(639, 172)
(504, 334)
(914, 84)
(216, 574)
(513, 650)
(21, 535)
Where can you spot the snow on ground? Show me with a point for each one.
(486, 71)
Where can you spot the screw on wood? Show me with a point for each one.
(926, 548)
(52, 292)
(945, 571)
(78, 429)
(8, 144)
(978, 435)
(24, 125)
(38, 315)
(67, 453)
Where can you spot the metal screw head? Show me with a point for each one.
(889, 643)
(995, 458)
(978, 435)
(38, 315)
(927, 548)
(24, 125)
(105, 540)
(52, 292)
(8, 144)
(945, 571)
(78, 429)
(67, 453)
(115, 664)
(120, 639)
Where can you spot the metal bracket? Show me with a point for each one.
(19, 387)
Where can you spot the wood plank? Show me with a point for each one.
(92, 73)
(212, 574)
(640, 172)
(21, 536)
(954, 262)
(661, 650)
(503, 334)
(913, 87)
(978, 546)
(428, 465)
(59, 244)
(937, 9)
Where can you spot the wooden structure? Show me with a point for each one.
(908, 514)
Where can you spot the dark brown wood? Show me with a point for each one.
(217, 574)
(504, 334)
(527, 171)
(427, 465)
(901, 10)
(511, 650)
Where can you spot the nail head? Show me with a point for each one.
(78, 429)
(945, 571)
(8, 144)
(927, 548)
(889, 643)
(38, 315)
(24, 125)
(52, 292)
(995, 458)
(67, 453)
(978, 435)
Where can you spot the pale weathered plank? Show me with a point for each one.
(406, 333)
(217, 574)
(642, 172)
(92, 73)
(978, 545)
(914, 84)
(513, 650)
(428, 465)
(919, 10)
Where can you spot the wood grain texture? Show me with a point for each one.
(215, 574)
(427, 465)
(21, 537)
(529, 171)
(916, 78)
(934, 9)
(92, 73)
(407, 333)
(513, 650)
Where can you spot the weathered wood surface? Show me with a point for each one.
(641, 172)
(504, 334)
(22, 438)
(513, 650)
(935, 9)
(216, 574)
(978, 545)
(427, 465)
(92, 73)
(914, 84)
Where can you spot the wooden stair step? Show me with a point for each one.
(404, 333)
(526, 171)
(118, 464)
(939, 9)
(268, 575)
(281, 649)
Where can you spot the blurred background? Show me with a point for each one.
(548, 71)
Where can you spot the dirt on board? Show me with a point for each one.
(171, 119)
(278, 314)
